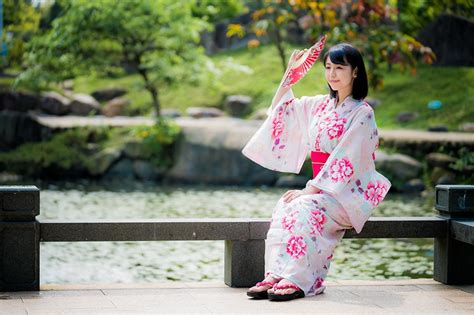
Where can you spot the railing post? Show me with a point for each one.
(243, 262)
(19, 238)
(454, 259)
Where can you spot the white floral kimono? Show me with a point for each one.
(305, 231)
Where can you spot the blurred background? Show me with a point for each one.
(139, 109)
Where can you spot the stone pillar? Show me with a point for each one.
(454, 259)
(243, 262)
(19, 238)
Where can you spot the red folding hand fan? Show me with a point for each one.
(304, 63)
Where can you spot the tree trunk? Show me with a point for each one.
(279, 45)
(153, 91)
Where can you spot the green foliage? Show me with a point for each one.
(157, 140)
(21, 21)
(217, 10)
(158, 39)
(69, 152)
(414, 15)
(64, 151)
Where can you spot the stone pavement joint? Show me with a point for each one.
(415, 296)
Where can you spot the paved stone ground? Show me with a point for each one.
(417, 296)
(389, 135)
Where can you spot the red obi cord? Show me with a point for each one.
(318, 158)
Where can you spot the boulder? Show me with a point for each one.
(238, 105)
(439, 159)
(17, 128)
(209, 152)
(103, 160)
(200, 112)
(144, 170)
(115, 107)
(54, 103)
(108, 93)
(170, 112)
(18, 101)
(413, 185)
(467, 127)
(84, 105)
(292, 181)
(399, 167)
(406, 116)
(440, 176)
(438, 128)
(123, 170)
(134, 149)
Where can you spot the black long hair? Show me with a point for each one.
(346, 54)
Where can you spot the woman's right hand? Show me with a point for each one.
(295, 56)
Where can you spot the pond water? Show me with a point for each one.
(138, 262)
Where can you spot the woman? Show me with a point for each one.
(340, 132)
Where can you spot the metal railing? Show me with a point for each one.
(21, 234)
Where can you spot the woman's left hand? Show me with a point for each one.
(293, 194)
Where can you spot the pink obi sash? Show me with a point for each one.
(318, 158)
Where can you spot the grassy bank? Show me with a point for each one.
(261, 72)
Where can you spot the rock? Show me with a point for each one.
(292, 181)
(467, 127)
(438, 128)
(134, 149)
(17, 128)
(115, 107)
(200, 112)
(103, 160)
(441, 176)
(108, 93)
(413, 185)
(54, 103)
(406, 116)
(259, 114)
(84, 105)
(170, 112)
(146, 171)
(373, 102)
(440, 160)
(18, 101)
(400, 167)
(123, 169)
(209, 152)
(238, 105)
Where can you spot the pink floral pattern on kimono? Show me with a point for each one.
(316, 220)
(375, 192)
(333, 125)
(340, 170)
(288, 221)
(318, 283)
(296, 246)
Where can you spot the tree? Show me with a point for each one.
(158, 39)
(21, 21)
(368, 24)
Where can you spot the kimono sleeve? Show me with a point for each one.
(282, 141)
(349, 174)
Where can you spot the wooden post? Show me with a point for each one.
(19, 238)
(454, 258)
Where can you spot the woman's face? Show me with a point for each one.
(339, 77)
